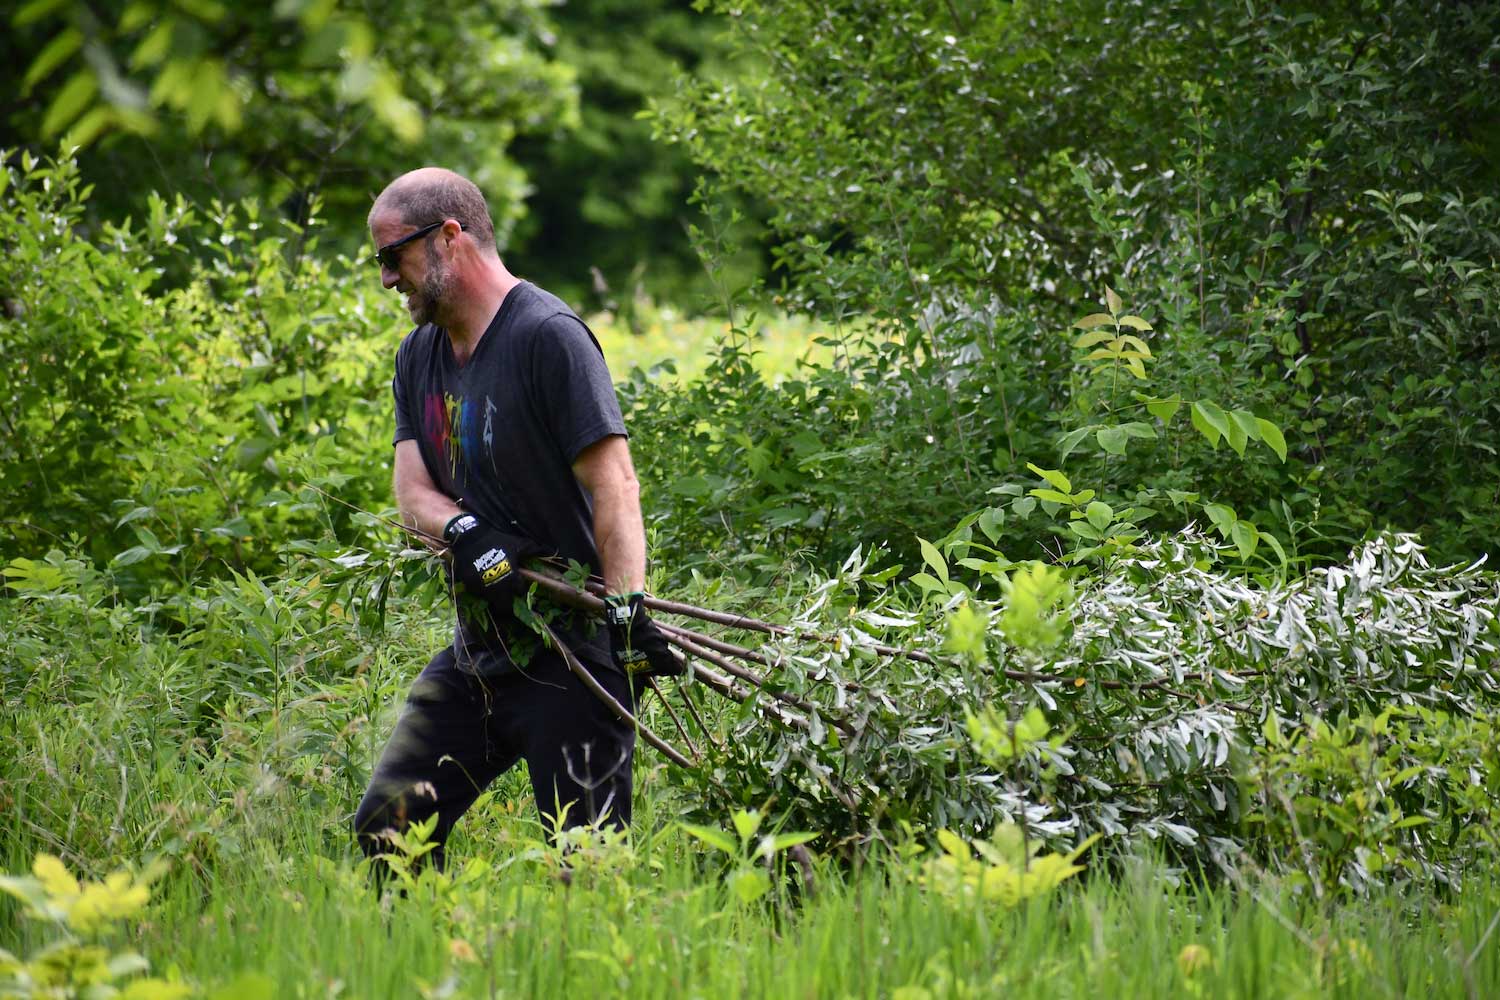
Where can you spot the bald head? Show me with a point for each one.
(432, 194)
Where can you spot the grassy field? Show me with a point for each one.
(264, 895)
(661, 334)
(295, 918)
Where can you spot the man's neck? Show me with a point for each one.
(476, 299)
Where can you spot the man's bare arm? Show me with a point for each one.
(422, 504)
(605, 470)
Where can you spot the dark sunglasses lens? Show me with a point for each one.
(386, 259)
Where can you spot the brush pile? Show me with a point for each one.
(1167, 682)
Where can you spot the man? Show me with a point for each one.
(509, 443)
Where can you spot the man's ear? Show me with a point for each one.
(451, 230)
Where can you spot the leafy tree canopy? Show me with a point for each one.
(288, 100)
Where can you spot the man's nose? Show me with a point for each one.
(388, 278)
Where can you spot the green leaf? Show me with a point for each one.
(746, 822)
(717, 839)
(934, 558)
(1236, 438)
(1270, 540)
(1053, 496)
(155, 46)
(53, 55)
(784, 840)
(1245, 536)
(1093, 320)
(70, 101)
(990, 521)
(1163, 409)
(1270, 728)
(749, 884)
(1069, 441)
(954, 846)
(1135, 323)
(1031, 727)
(1100, 514)
(1210, 421)
(1271, 435)
(929, 583)
(1113, 440)
(136, 16)
(1053, 476)
(204, 10)
(1245, 420)
(132, 555)
(1023, 506)
(1088, 340)
(135, 514)
(35, 11)
(86, 129)
(1112, 300)
(1222, 516)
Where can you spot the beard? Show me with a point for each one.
(425, 301)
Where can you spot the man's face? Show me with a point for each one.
(420, 274)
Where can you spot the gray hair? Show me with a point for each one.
(433, 194)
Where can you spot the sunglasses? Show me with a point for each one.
(388, 256)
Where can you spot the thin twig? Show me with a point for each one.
(756, 625)
(692, 707)
(409, 529)
(621, 712)
(676, 720)
(729, 689)
(689, 646)
(741, 652)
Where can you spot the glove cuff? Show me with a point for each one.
(458, 524)
(619, 609)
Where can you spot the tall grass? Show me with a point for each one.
(252, 804)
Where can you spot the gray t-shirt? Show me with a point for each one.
(500, 434)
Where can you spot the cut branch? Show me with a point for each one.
(621, 712)
(689, 646)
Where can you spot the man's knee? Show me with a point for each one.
(387, 809)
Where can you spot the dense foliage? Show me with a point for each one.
(1299, 199)
(152, 423)
(298, 104)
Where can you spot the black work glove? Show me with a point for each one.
(486, 561)
(638, 646)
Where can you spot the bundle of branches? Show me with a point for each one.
(868, 708)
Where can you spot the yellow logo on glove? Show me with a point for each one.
(493, 565)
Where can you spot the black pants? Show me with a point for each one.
(458, 732)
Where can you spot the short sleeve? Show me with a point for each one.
(574, 391)
(406, 427)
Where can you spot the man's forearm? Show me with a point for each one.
(426, 509)
(620, 537)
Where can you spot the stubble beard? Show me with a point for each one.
(425, 303)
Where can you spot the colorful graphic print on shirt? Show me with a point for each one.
(460, 430)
